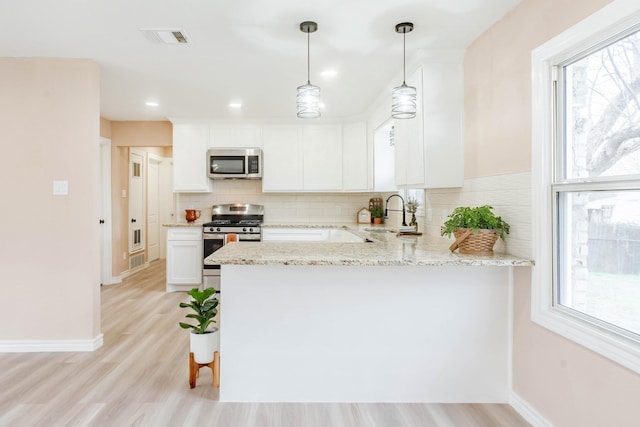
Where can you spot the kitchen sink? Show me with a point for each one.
(378, 230)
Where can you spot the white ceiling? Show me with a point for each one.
(251, 51)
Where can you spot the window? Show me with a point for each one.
(596, 184)
(586, 150)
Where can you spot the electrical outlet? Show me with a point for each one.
(338, 209)
(429, 215)
(124, 256)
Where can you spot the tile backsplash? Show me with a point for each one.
(280, 208)
(510, 196)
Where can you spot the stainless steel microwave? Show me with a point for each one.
(234, 163)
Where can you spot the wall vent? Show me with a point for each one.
(165, 35)
(136, 260)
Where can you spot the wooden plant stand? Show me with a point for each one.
(194, 369)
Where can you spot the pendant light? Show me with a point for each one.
(403, 97)
(308, 98)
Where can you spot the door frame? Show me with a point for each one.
(106, 228)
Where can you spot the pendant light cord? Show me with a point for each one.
(404, 58)
(308, 60)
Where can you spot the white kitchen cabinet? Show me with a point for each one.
(409, 142)
(190, 143)
(322, 158)
(184, 258)
(355, 157)
(429, 148)
(302, 158)
(282, 158)
(235, 135)
(443, 121)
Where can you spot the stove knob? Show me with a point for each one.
(244, 229)
(218, 229)
(211, 229)
(251, 230)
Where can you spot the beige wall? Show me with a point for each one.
(142, 134)
(568, 384)
(498, 83)
(49, 249)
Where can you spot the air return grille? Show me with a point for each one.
(136, 260)
(165, 35)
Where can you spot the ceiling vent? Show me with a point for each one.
(165, 35)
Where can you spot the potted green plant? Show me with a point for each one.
(204, 341)
(377, 213)
(475, 229)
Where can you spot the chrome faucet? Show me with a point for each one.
(386, 209)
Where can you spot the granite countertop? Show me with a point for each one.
(384, 249)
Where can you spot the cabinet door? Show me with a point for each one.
(322, 151)
(409, 140)
(184, 262)
(235, 136)
(190, 142)
(355, 157)
(282, 158)
(443, 103)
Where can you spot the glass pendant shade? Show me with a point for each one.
(403, 104)
(404, 97)
(308, 101)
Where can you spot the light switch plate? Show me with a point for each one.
(60, 188)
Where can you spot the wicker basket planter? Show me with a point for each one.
(479, 242)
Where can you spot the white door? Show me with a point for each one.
(105, 213)
(165, 201)
(136, 200)
(153, 213)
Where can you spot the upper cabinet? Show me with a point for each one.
(237, 135)
(355, 157)
(282, 158)
(429, 148)
(322, 157)
(409, 142)
(309, 158)
(190, 143)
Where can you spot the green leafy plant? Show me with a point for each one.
(476, 218)
(205, 305)
(377, 212)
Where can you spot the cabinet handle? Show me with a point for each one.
(133, 220)
(102, 221)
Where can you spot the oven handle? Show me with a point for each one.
(209, 236)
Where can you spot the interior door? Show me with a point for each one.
(136, 200)
(153, 214)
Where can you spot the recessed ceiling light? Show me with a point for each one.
(328, 74)
(151, 104)
(235, 105)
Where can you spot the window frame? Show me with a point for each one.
(609, 22)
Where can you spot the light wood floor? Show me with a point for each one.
(140, 378)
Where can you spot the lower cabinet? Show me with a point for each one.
(184, 258)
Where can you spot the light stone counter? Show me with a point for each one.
(381, 249)
(183, 224)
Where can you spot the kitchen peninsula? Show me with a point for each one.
(394, 319)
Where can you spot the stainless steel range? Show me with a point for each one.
(244, 220)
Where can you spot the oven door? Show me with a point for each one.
(212, 242)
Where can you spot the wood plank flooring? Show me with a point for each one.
(140, 378)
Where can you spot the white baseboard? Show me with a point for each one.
(527, 411)
(128, 273)
(46, 346)
(113, 281)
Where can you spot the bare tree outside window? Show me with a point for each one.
(598, 185)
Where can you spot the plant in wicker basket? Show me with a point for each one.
(476, 229)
